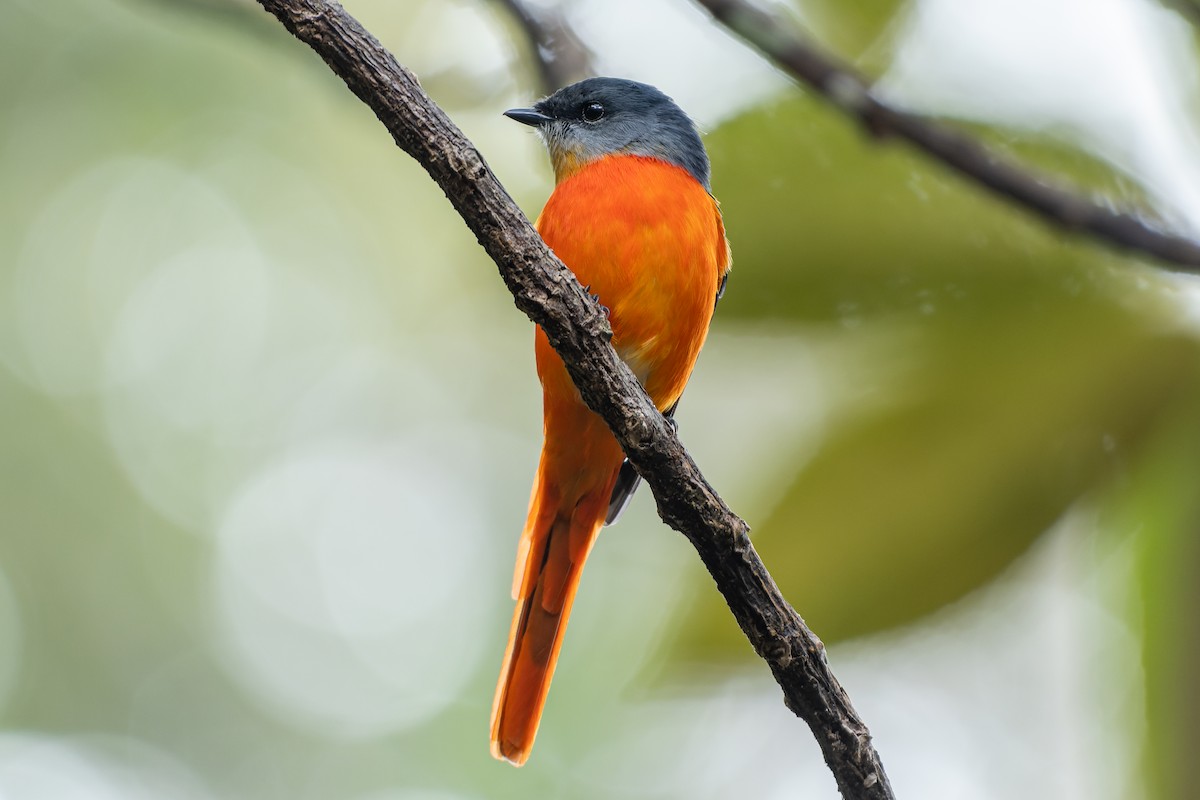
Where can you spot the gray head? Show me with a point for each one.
(601, 116)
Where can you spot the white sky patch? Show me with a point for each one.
(676, 47)
(1115, 76)
(485, 49)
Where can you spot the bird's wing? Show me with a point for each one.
(628, 480)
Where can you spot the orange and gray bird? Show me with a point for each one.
(633, 216)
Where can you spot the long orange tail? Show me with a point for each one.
(557, 539)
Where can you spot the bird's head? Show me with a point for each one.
(598, 117)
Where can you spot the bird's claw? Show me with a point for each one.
(596, 299)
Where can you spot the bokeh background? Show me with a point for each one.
(268, 418)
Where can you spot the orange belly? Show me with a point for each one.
(647, 238)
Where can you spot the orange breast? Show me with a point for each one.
(647, 238)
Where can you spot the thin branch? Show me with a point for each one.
(549, 294)
(559, 55)
(842, 85)
(1187, 8)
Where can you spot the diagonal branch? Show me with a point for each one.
(842, 85)
(548, 293)
(558, 54)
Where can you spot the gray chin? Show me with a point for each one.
(553, 134)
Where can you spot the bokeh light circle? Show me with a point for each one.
(348, 586)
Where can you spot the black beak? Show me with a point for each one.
(528, 116)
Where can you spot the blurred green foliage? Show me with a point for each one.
(859, 32)
(1035, 370)
(1160, 504)
(1032, 366)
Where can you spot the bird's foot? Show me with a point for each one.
(596, 299)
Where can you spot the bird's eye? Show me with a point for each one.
(592, 112)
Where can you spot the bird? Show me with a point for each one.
(632, 214)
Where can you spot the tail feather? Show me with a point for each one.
(555, 547)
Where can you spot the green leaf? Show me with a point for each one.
(1162, 507)
(828, 225)
(996, 430)
(1022, 370)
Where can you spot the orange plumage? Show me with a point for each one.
(647, 237)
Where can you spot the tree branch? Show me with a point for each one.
(842, 85)
(559, 55)
(549, 294)
(1188, 8)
